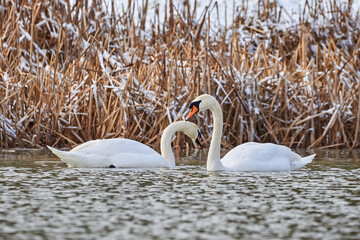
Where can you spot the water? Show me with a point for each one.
(42, 199)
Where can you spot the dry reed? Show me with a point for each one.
(69, 74)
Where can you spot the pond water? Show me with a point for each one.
(40, 198)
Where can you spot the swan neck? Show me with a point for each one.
(165, 145)
(214, 162)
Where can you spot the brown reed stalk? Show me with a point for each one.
(69, 74)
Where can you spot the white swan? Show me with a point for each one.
(249, 156)
(126, 153)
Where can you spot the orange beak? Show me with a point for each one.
(193, 110)
(198, 141)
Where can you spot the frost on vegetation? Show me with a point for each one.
(110, 63)
(7, 127)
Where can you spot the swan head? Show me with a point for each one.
(201, 103)
(192, 130)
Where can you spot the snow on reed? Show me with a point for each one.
(71, 73)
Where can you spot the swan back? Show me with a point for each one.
(263, 157)
(107, 147)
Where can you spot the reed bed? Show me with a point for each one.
(69, 74)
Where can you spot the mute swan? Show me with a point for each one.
(249, 156)
(126, 153)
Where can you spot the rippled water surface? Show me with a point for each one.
(40, 198)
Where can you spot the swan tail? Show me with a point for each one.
(296, 165)
(64, 156)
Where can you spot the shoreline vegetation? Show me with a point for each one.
(69, 74)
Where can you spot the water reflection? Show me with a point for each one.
(41, 198)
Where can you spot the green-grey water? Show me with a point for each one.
(40, 198)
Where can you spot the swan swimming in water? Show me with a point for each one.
(249, 156)
(126, 153)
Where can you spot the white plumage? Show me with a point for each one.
(249, 156)
(126, 153)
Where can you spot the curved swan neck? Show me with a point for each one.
(165, 144)
(213, 161)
